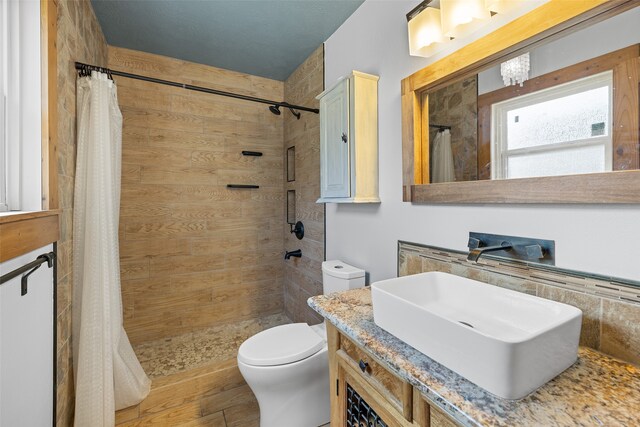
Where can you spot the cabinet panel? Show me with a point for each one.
(349, 140)
(440, 419)
(427, 414)
(334, 134)
(397, 391)
(349, 377)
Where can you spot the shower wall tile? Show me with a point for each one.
(79, 38)
(193, 252)
(610, 308)
(303, 276)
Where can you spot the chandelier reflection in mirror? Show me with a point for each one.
(430, 27)
(516, 70)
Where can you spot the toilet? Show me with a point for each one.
(287, 367)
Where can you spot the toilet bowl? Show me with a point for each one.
(287, 367)
(290, 392)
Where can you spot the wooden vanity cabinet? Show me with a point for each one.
(362, 385)
(427, 414)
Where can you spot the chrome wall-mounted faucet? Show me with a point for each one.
(518, 248)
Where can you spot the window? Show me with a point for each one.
(3, 100)
(563, 130)
(20, 109)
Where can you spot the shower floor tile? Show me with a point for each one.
(169, 356)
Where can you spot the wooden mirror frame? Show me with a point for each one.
(548, 22)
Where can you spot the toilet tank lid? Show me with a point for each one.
(342, 270)
(281, 345)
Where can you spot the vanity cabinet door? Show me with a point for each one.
(360, 404)
(395, 390)
(440, 419)
(426, 414)
(334, 142)
(350, 384)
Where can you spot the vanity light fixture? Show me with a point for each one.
(425, 30)
(500, 6)
(515, 70)
(460, 17)
(430, 27)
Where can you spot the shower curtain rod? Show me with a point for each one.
(86, 68)
(440, 127)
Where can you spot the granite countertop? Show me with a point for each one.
(596, 391)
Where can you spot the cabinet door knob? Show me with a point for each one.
(344, 137)
(363, 365)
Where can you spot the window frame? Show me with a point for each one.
(500, 153)
(3, 99)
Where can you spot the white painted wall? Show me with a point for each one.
(599, 239)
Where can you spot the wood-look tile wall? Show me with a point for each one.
(303, 276)
(610, 308)
(79, 38)
(194, 253)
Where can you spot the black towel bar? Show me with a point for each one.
(49, 258)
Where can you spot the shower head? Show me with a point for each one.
(295, 113)
(275, 109)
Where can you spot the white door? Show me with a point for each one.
(26, 346)
(335, 142)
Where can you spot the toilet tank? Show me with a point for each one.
(338, 276)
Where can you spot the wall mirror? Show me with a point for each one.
(475, 132)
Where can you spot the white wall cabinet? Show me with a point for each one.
(349, 140)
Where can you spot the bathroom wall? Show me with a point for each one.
(610, 309)
(456, 106)
(592, 238)
(303, 276)
(79, 38)
(193, 252)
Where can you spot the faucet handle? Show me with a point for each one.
(473, 243)
(534, 251)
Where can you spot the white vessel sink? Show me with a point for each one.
(506, 342)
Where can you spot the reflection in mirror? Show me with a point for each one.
(453, 130)
(577, 112)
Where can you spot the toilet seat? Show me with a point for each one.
(280, 345)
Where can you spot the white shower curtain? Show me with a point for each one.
(107, 373)
(442, 162)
